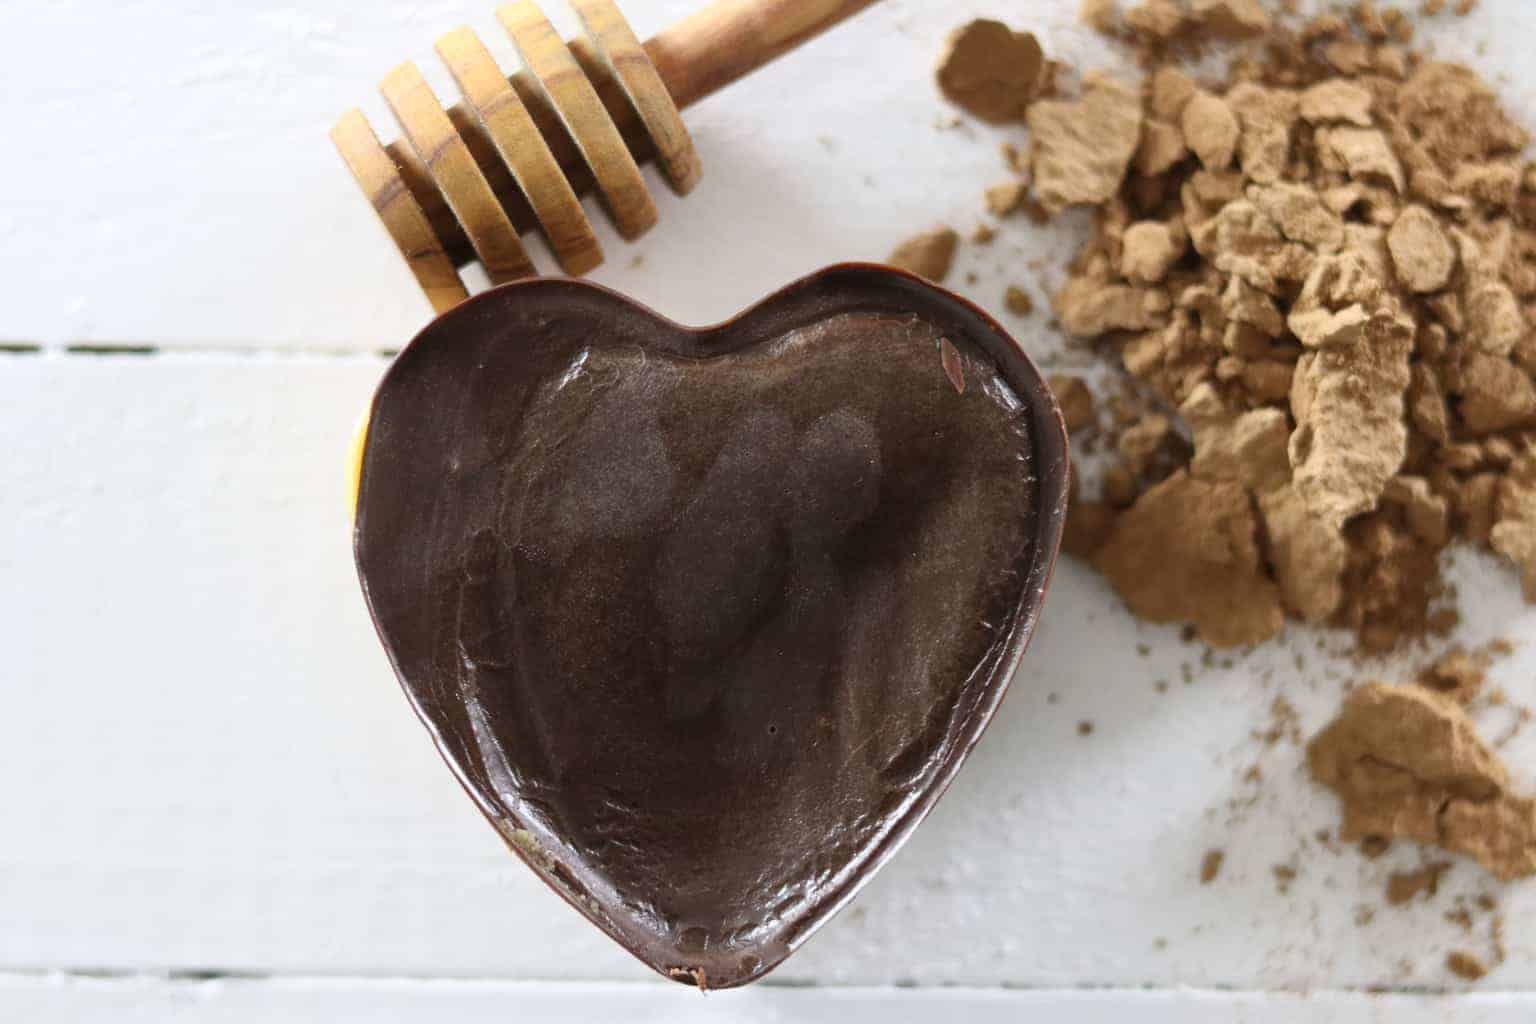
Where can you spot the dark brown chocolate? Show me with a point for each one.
(705, 621)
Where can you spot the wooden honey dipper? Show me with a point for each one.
(516, 154)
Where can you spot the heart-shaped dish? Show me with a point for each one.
(705, 621)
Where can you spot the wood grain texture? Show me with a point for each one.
(615, 41)
(573, 166)
(727, 40)
(522, 148)
(584, 116)
(379, 178)
(449, 163)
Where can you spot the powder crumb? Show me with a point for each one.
(930, 254)
(1349, 399)
(1309, 556)
(1168, 91)
(1148, 252)
(1495, 323)
(1082, 148)
(1210, 129)
(1426, 513)
(1248, 449)
(1236, 19)
(1187, 551)
(991, 71)
(1301, 215)
(1014, 157)
(1088, 309)
(1099, 15)
(1284, 876)
(1392, 62)
(1018, 301)
(1496, 394)
(1157, 19)
(1007, 198)
(1145, 445)
(1337, 99)
(1364, 154)
(1084, 728)
(1075, 399)
(1162, 146)
(1466, 966)
(1407, 762)
(1284, 723)
(1422, 255)
(1458, 674)
(1348, 55)
(1513, 534)
(1404, 886)
(1210, 865)
(1267, 117)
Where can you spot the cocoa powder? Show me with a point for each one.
(1323, 264)
(1319, 273)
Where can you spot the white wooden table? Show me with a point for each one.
(216, 804)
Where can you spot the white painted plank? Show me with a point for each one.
(183, 191)
(205, 762)
(44, 1000)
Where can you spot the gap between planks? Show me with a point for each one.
(22, 349)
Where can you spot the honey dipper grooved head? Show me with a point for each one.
(515, 155)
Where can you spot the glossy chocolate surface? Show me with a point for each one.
(705, 621)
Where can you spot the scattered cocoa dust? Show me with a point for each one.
(1466, 966)
(1404, 886)
(1210, 865)
(1018, 302)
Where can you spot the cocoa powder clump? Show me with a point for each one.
(991, 71)
(1324, 265)
(1406, 762)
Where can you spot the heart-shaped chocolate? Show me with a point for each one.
(705, 621)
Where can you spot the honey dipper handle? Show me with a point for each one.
(732, 38)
